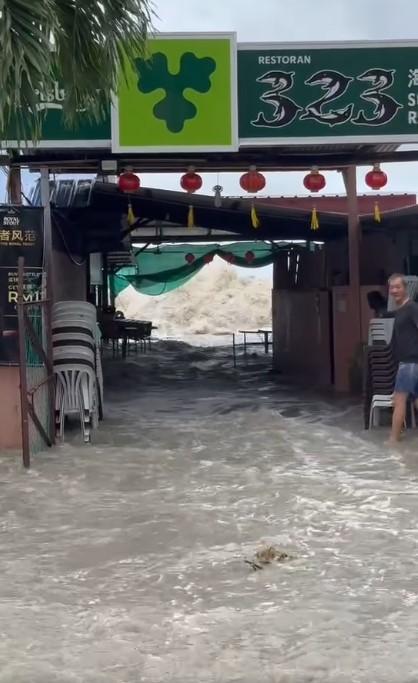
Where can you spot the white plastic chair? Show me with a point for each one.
(385, 401)
(75, 394)
(380, 330)
(84, 307)
(73, 311)
(79, 326)
(76, 356)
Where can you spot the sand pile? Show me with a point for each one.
(218, 300)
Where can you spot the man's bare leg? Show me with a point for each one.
(398, 417)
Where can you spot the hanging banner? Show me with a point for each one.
(21, 234)
(181, 97)
(328, 93)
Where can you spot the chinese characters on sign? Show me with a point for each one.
(20, 235)
(14, 237)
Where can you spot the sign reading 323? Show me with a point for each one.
(325, 110)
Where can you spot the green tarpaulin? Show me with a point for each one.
(162, 269)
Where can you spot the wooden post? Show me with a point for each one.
(347, 325)
(354, 241)
(14, 185)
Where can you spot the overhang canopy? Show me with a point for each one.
(101, 217)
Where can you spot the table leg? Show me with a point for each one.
(266, 342)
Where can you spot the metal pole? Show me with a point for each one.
(46, 203)
(106, 283)
(22, 365)
(48, 289)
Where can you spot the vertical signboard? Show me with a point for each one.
(21, 234)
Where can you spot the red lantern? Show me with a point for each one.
(128, 182)
(253, 181)
(229, 256)
(191, 182)
(190, 258)
(376, 179)
(249, 256)
(208, 258)
(314, 181)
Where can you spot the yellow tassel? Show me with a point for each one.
(314, 219)
(190, 217)
(377, 215)
(131, 216)
(255, 221)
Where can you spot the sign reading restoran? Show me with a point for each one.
(347, 92)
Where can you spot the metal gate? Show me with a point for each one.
(36, 365)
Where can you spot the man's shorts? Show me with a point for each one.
(407, 379)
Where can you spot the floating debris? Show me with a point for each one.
(268, 555)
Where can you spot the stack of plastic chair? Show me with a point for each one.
(77, 364)
(380, 371)
(380, 331)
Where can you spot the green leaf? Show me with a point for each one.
(91, 41)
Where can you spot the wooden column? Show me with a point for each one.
(347, 336)
(14, 185)
(354, 245)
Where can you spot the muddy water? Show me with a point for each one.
(124, 561)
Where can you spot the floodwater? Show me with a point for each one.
(123, 561)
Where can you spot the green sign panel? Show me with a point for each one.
(198, 92)
(293, 94)
(55, 134)
(181, 97)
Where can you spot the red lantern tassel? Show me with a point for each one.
(376, 214)
(131, 216)
(255, 221)
(314, 219)
(190, 217)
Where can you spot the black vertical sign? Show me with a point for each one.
(21, 234)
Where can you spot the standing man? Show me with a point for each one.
(405, 342)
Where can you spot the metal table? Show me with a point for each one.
(260, 332)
